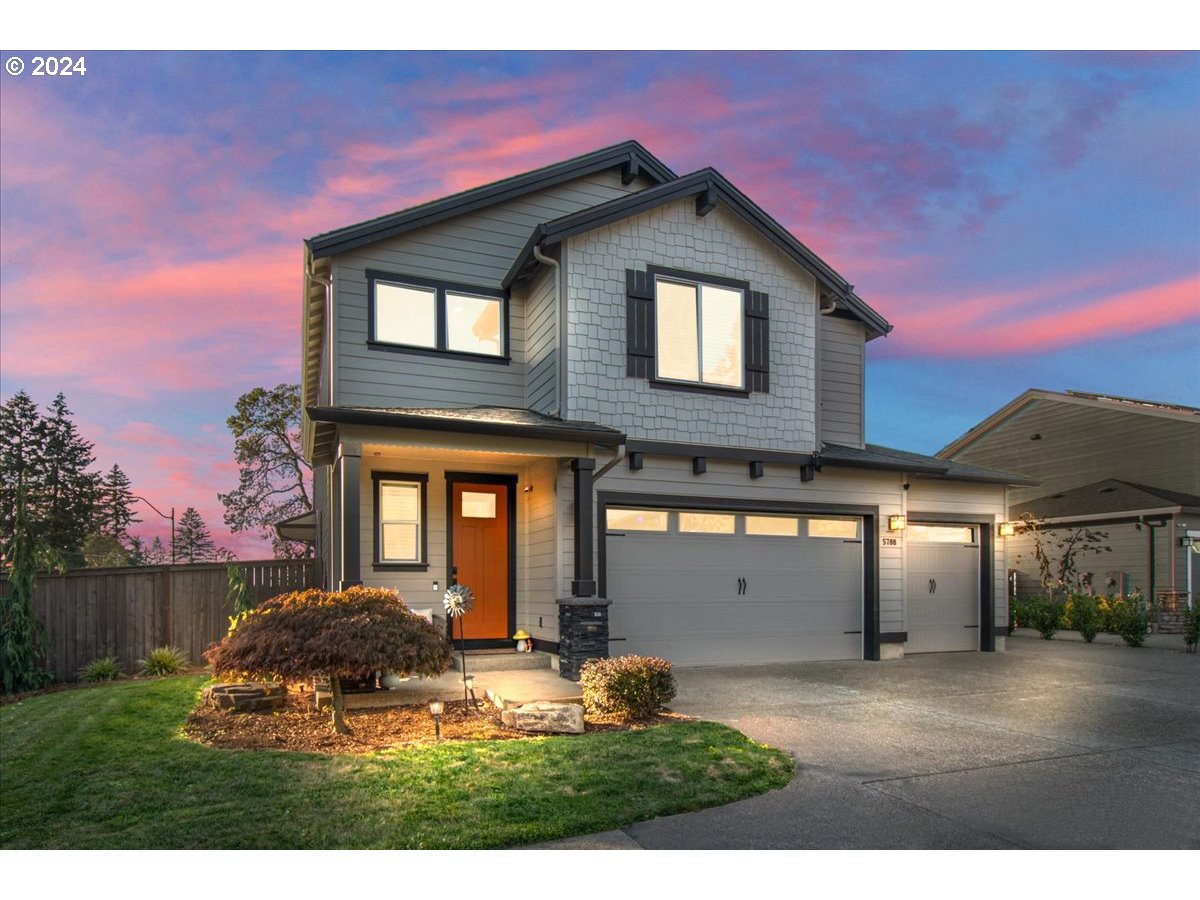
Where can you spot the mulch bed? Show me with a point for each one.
(301, 727)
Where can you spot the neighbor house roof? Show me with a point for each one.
(490, 420)
(874, 456)
(1108, 497)
(634, 159)
(710, 188)
(1073, 398)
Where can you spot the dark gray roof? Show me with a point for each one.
(875, 456)
(709, 187)
(1104, 498)
(492, 420)
(634, 159)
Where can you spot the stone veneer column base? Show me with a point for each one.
(582, 633)
(891, 651)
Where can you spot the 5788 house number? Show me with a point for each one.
(57, 65)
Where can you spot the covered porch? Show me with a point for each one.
(497, 500)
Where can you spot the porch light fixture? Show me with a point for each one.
(1008, 529)
(897, 523)
(436, 707)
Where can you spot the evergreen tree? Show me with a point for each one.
(193, 543)
(117, 506)
(156, 554)
(22, 636)
(137, 551)
(70, 494)
(20, 464)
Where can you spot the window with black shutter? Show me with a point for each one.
(696, 332)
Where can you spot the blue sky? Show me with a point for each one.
(1022, 219)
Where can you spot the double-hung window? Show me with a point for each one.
(427, 316)
(700, 333)
(400, 528)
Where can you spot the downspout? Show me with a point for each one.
(559, 311)
(327, 338)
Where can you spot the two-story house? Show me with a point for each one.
(626, 408)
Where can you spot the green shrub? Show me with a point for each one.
(1084, 615)
(1131, 619)
(163, 661)
(1019, 611)
(1044, 615)
(633, 687)
(106, 668)
(1191, 628)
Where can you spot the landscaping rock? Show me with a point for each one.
(240, 697)
(555, 718)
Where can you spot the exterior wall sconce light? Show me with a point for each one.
(436, 707)
(1008, 529)
(897, 523)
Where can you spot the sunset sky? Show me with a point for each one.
(1024, 220)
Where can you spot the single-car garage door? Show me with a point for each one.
(720, 588)
(942, 587)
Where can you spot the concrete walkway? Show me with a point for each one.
(1053, 744)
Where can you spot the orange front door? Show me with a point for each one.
(480, 560)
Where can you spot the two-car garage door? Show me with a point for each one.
(721, 588)
(726, 587)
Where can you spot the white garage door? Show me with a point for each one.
(720, 588)
(942, 587)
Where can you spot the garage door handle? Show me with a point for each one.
(851, 632)
(970, 626)
(933, 585)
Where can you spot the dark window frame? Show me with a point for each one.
(441, 332)
(654, 273)
(378, 562)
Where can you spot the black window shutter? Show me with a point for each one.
(639, 324)
(758, 342)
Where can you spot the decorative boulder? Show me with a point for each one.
(239, 697)
(554, 718)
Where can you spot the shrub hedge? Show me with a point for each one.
(633, 687)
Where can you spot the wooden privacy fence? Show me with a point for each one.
(128, 612)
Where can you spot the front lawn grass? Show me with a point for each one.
(107, 767)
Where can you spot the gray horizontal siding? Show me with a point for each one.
(1083, 444)
(474, 249)
(1129, 554)
(843, 356)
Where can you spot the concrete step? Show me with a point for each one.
(501, 661)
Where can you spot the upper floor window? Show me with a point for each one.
(412, 313)
(700, 333)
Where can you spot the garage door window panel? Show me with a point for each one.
(940, 534)
(636, 520)
(707, 523)
(845, 529)
(773, 526)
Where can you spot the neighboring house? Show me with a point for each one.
(1127, 468)
(626, 408)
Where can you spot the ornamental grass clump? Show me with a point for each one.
(347, 634)
(106, 668)
(163, 661)
(631, 687)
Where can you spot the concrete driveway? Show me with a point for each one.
(1051, 744)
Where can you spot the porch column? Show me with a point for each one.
(584, 584)
(349, 464)
(582, 617)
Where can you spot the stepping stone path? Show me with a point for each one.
(241, 697)
(555, 718)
